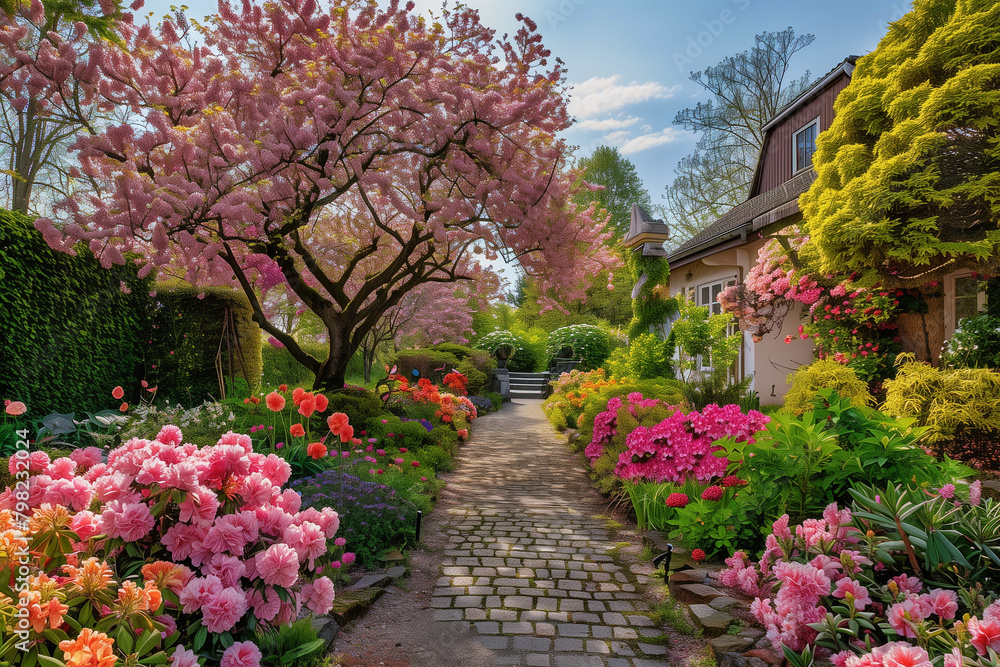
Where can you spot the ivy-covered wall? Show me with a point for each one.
(185, 337)
(71, 330)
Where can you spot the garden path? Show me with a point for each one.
(522, 567)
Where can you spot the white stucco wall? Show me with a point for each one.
(770, 360)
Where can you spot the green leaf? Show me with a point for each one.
(301, 650)
(199, 638)
(147, 641)
(125, 640)
(46, 661)
(155, 659)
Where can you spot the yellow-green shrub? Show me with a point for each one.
(946, 400)
(825, 374)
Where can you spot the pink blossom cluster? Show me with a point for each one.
(680, 446)
(805, 570)
(238, 534)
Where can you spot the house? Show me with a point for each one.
(723, 253)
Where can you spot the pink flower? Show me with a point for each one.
(985, 634)
(86, 525)
(858, 593)
(975, 492)
(15, 408)
(318, 595)
(224, 609)
(278, 566)
(241, 654)
(947, 491)
(903, 616)
(88, 457)
(901, 654)
(170, 435)
(183, 657)
(129, 521)
(348, 558)
(943, 603)
(266, 606)
(308, 540)
(340, 541)
(198, 591)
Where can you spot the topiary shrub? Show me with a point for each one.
(589, 343)
(476, 378)
(363, 407)
(825, 374)
(188, 325)
(73, 330)
(645, 357)
(460, 351)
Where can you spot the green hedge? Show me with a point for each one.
(435, 362)
(280, 367)
(71, 334)
(186, 334)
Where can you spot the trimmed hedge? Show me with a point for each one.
(71, 331)
(186, 334)
(436, 361)
(280, 367)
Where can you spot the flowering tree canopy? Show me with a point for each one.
(351, 152)
(908, 174)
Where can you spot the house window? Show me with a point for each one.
(969, 299)
(804, 145)
(708, 294)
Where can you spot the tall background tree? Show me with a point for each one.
(745, 91)
(51, 53)
(621, 185)
(351, 152)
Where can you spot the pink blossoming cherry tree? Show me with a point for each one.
(297, 126)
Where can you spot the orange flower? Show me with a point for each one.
(92, 576)
(337, 421)
(123, 407)
(89, 649)
(41, 614)
(275, 401)
(49, 517)
(321, 402)
(297, 431)
(346, 433)
(166, 575)
(316, 450)
(117, 393)
(297, 395)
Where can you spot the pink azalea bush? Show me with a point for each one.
(680, 446)
(245, 554)
(817, 580)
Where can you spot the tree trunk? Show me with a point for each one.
(333, 373)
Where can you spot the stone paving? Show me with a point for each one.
(529, 566)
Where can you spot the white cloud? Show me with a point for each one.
(616, 138)
(601, 95)
(606, 124)
(641, 143)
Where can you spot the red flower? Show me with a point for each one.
(275, 401)
(297, 431)
(346, 433)
(117, 393)
(297, 395)
(732, 480)
(697, 555)
(712, 493)
(677, 500)
(321, 402)
(402, 449)
(337, 421)
(282, 387)
(123, 408)
(316, 450)
(415, 464)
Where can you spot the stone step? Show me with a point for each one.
(525, 394)
(534, 382)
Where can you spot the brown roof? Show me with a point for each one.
(743, 215)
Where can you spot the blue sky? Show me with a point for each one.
(629, 59)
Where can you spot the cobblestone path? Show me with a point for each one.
(529, 567)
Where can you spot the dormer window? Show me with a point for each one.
(804, 145)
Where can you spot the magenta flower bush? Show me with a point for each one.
(680, 446)
(238, 551)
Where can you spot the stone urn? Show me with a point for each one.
(503, 353)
